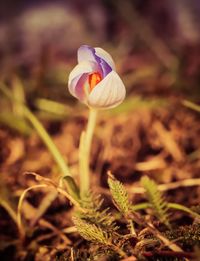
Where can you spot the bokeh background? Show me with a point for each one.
(40, 38)
(155, 132)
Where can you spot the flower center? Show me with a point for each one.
(93, 80)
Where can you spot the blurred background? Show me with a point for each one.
(156, 47)
(39, 39)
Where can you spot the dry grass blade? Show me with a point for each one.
(19, 209)
(168, 186)
(49, 182)
(167, 140)
(9, 209)
(165, 240)
(44, 205)
(56, 231)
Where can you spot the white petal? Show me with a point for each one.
(105, 56)
(83, 67)
(108, 93)
(76, 87)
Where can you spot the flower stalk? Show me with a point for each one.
(84, 152)
(94, 82)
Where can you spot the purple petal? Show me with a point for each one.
(105, 67)
(87, 53)
(105, 56)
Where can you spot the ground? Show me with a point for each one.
(152, 134)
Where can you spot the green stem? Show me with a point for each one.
(84, 152)
(183, 208)
(140, 206)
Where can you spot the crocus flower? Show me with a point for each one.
(94, 80)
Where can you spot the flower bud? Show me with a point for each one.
(94, 80)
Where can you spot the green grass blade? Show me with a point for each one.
(183, 208)
(41, 132)
(47, 140)
(191, 105)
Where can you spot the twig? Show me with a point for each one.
(168, 186)
(136, 217)
(165, 240)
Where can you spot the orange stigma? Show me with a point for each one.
(93, 80)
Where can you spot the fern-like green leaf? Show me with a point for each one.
(119, 194)
(95, 215)
(91, 232)
(156, 199)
